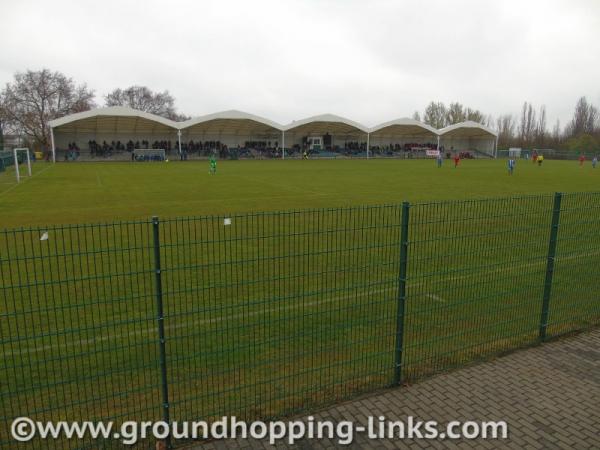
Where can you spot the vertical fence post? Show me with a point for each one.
(401, 295)
(550, 265)
(161, 325)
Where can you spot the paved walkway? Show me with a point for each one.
(549, 395)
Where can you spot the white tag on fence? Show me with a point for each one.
(227, 221)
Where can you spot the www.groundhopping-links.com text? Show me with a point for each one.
(25, 429)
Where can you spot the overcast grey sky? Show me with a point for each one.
(370, 61)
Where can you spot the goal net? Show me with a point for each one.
(148, 154)
(21, 155)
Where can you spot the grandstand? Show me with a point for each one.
(471, 136)
(326, 133)
(114, 132)
(407, 136)
(230, 133)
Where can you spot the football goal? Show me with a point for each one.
(16, 156)
(148, 154)
(514, 152)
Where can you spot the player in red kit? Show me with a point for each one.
(456, 160)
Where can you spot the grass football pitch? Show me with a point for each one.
(280, 311)
(105, 192)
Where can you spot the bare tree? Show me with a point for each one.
(416, 116)
(585, 119)
(540, 131)
(527, 125)
(455, 114)
(506, 130)
(523, 124)
(531, 124)
(435, 115)
(556, 135)
(36, 97)
(592, 120)
(475, 115)
(144, 99)
(438, 115)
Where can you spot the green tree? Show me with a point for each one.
(584, 143)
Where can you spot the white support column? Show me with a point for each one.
(438, 143)
(496, 148)
(53, 146)
(17, 171)
(16, 162)
(179, 142)
(28, 163)
(368, 145)
(282, 144)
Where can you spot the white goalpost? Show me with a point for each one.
(148, 154)
(17, 171)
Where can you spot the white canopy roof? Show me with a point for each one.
(230, 122)
(123, 119)
(326, 123)
(467, 129)
(113, 118)
(403, 127)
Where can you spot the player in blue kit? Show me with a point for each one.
(511, 166)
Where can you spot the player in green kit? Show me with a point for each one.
(213, 165)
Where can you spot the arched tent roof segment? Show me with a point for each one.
(403, 127)
(117, 119)
(326, 123)
(467, 129)
(231, 122)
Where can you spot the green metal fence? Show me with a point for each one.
(6, 160)
(562, 154)
(263, 315)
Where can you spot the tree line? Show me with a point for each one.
(528, 129)
(34, 98)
